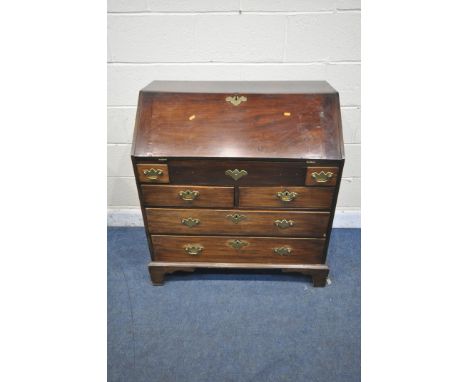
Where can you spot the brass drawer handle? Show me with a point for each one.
(236, 174)
(153, 173)
(287, 196)
(236, 100)
(238, 244)
(193, 249)
(190, 222)
(284, 223)
(283, 251)
(236, 218)
(322, 176)
(188, 195)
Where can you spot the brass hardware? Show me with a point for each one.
(153, 173)
(193, 249)
(284, 223)
(188, 195)
(236, 218)
(236, 100)
(236, 174)
(287, 114)
(322, 177)
(237, 244)
(190, 222)
(283, 251)
(287, 196)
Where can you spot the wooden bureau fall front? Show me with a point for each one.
(238, 175)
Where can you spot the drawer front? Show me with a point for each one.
(286, 197)
(187, 196)
(237, 222)
(237, 173)
(321, 176)
(152, 173)
(237, 249)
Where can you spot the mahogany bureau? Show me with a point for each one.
(238, 175)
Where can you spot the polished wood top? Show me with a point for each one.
(278, 120)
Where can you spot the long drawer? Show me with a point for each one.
(237, 222)
(187, 196)
(286, 197)
(237, 249)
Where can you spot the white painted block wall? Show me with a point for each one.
(229, 40)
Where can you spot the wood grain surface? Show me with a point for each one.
(213, 172)
(249, 223)
(269, 125)
(168, 196)
(163, 178)
(266, 197)
(218, 249)
(311, 181)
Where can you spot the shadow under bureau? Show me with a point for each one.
(238, 175)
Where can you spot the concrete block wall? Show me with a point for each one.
(229, 40)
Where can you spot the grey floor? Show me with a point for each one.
(236, 326)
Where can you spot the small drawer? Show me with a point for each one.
(237, 249)
(286, 197)
(237, 222)
(321, 176)
(187, 196)
(153, 173)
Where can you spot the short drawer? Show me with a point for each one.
(237, 222)
(187, 196)
(286, 197)
(237, 249)
(152, 173)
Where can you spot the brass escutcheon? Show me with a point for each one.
(188, 195)
(236, 174)
(193, 249)
(237, 244)
(282, 251)
(153, 173)
(322, 177)
(284, 223)
(190, 222)
(286, 196)
(236, 218)
(236, 100)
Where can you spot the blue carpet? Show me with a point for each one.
(222, 327)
